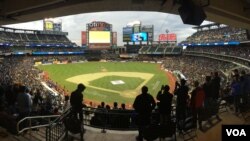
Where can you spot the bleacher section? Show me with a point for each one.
(160, 50)
(234, 54)
(219, 42)
(133, 48)
(144, 49)
(168, 50)
(152, 49)
(216, 34)
(235, 51)
(177, 50)
(35, 42)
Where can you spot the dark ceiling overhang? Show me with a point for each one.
(230, 12)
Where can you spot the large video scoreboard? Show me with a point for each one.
(138, 33)
(99, 35)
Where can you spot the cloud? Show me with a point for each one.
(76, 23)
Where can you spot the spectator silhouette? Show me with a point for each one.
(235, 89)
(207, 87)
(76, 100)
(181, 106)
(143, 105)
(245, 86)
(115, 106)
(102, 105)
(123, 106)
(196, 104)
(216, 92)
(236, 73)
(24, 105)
(108, 107)
(2, 98)
(216, 85)
(165, 104)
(66, 101)
(37, 100)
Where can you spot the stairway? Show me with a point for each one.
(30, 135)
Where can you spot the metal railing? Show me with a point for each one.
(34, 122)
(93, 117)
(56, 129)
(110, 119)
(101, 118)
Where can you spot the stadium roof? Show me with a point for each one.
(207, 25)
(230, 12)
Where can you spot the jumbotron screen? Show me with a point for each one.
(137, 37)
(99, 36)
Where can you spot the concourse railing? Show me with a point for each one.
(56, 130)
(34, 122)
(100, 118)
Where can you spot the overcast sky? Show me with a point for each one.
(76, 23)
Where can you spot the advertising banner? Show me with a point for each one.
(167, 37)
(84, 38)
(98, 26)
(114, 40)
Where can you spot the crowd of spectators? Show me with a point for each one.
(55, 49)
(19, 77)
(194, 68)
(236, 51)
(221, 34)
(199, 101)
(59, 58)
(23, 94)
(5, 50)
(18, 70)
(30, 50)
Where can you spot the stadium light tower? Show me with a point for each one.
(167, 34)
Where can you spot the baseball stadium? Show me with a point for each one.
(107, 80)
(139, 70)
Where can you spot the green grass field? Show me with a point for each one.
(60, 72)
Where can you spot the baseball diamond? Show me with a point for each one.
(98, 82)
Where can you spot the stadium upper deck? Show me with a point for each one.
(217, 34)
(21, 37)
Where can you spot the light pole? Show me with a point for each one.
(167, 34)
(167, 42)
